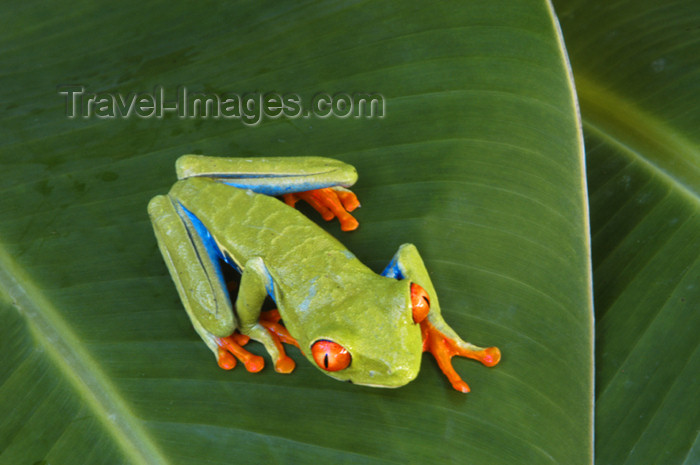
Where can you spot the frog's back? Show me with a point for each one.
(248, 225)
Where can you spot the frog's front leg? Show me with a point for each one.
(256, 284)
(438, 337)
(321, 182)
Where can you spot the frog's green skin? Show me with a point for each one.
(322, 291)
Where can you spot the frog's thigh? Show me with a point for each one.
(256, 284)
(199, 284)
(270, 176)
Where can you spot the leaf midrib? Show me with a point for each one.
(72, 359)
(647, 139)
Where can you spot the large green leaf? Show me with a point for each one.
(637, 72)
(477, 161)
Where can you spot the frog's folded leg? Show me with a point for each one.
(193, 260)
(256, 285)
(321, 182)
(438, 337)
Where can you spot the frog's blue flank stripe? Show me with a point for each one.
(213, 251)
(257, 185)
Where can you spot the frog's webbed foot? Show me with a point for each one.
(231, 347)
(444, 348)
(330, 202)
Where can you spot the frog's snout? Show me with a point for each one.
(394, 377)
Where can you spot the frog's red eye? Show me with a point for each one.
(420, 302)
(330, 355)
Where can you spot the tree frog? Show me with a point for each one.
(353, 324)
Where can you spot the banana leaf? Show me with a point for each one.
(477, 160)
(636, 68)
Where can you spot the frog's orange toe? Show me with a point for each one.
(254, 364)
(461, 386)
(285, 365)
(489, 356)
(225, 360)
(348, 199)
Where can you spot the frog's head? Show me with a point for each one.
(374, 339)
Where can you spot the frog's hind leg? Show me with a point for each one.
(194, 267)
(438, 337)
(321, 182)
(271, 320)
